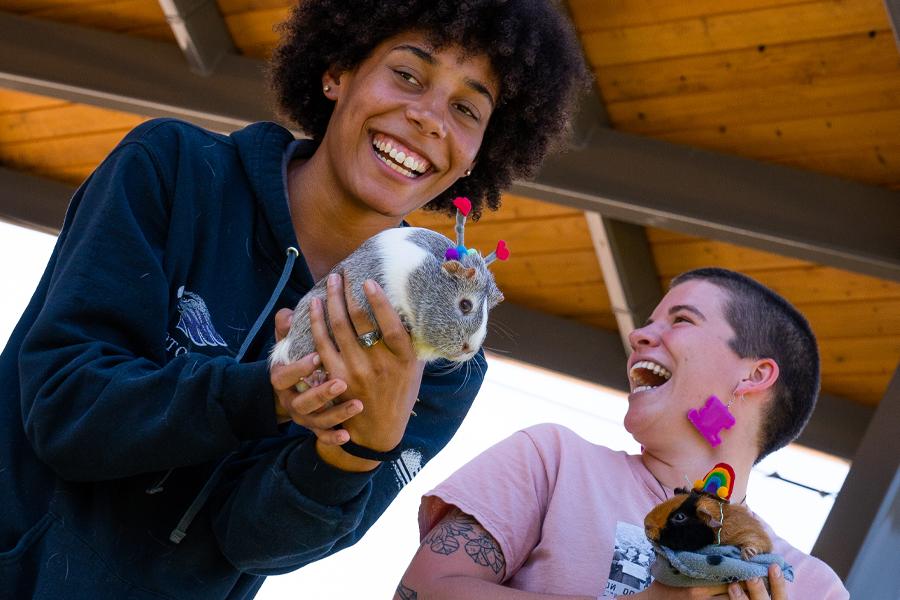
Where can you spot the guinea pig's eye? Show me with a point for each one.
(465, 305)
(679, 517)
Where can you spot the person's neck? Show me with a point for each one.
(683, 465)
(328, 225)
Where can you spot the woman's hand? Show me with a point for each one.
(385, 377)
(752, 589)
(312, 408)
(756, 589)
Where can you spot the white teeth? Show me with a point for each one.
(400, 157)
(643, 388)
(396, 167)
(652, 366)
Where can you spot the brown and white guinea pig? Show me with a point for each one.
(691, 520)
(444, 304)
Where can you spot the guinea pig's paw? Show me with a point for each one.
(748, 552)
(316, 378)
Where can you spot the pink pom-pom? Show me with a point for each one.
(502, 251)
(463, 205)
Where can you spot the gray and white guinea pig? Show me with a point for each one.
(444, 304)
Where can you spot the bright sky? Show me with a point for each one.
(513, 396)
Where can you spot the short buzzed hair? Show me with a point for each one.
(768, 326)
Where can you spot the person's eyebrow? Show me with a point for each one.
(687, 307)
(429, 58)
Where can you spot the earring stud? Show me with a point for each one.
(326, 88)
(467, 172)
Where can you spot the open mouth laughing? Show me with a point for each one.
(647, 375)
(398, 157)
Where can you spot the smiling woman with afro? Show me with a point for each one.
(530, 44)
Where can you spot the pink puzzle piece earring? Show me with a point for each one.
(712, 417)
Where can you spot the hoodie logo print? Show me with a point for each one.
(407, 466)
(195, 321)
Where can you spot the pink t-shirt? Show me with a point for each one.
(569, 516)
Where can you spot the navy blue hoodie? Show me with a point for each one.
(121, 394)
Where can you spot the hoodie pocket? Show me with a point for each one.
(50, 561)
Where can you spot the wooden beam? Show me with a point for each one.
(861, 536)
(628, 271)
(737, 200)
(893, 10)
(127, 73)
(621, 176)
(34, 202)
(200, 31)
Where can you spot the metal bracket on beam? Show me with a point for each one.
(200, 31)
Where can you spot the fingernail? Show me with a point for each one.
(370, 286)
(343, 437)
(333, 279)
(337, 387)
(754, 580)
(776, 571)
(316, 360)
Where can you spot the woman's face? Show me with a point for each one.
(679, 358)
(408, 122)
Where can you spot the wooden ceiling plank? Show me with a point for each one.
(854, 318)
(798, 137)
(60, 152)
(797, 62)
(513, 208)
(877, 356)
(817, 284)
(761, 104)
(61, 121)
(116, 15)
(677, 257)
(563, 300)
(718, 33)
(229, 7)
(590, 15)
(257, 28)
(15, 101)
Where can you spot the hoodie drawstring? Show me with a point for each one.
(181, 529)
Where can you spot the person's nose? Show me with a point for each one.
(427, 117)
(648, 335)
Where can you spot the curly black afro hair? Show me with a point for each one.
(530, 44)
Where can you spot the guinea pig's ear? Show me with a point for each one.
(708, 512)
(451, 267)
(495, 296)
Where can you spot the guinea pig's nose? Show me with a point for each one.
(465, 347)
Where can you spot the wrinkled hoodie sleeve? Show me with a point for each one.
(100, 400)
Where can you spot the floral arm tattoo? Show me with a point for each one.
(459, 529)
